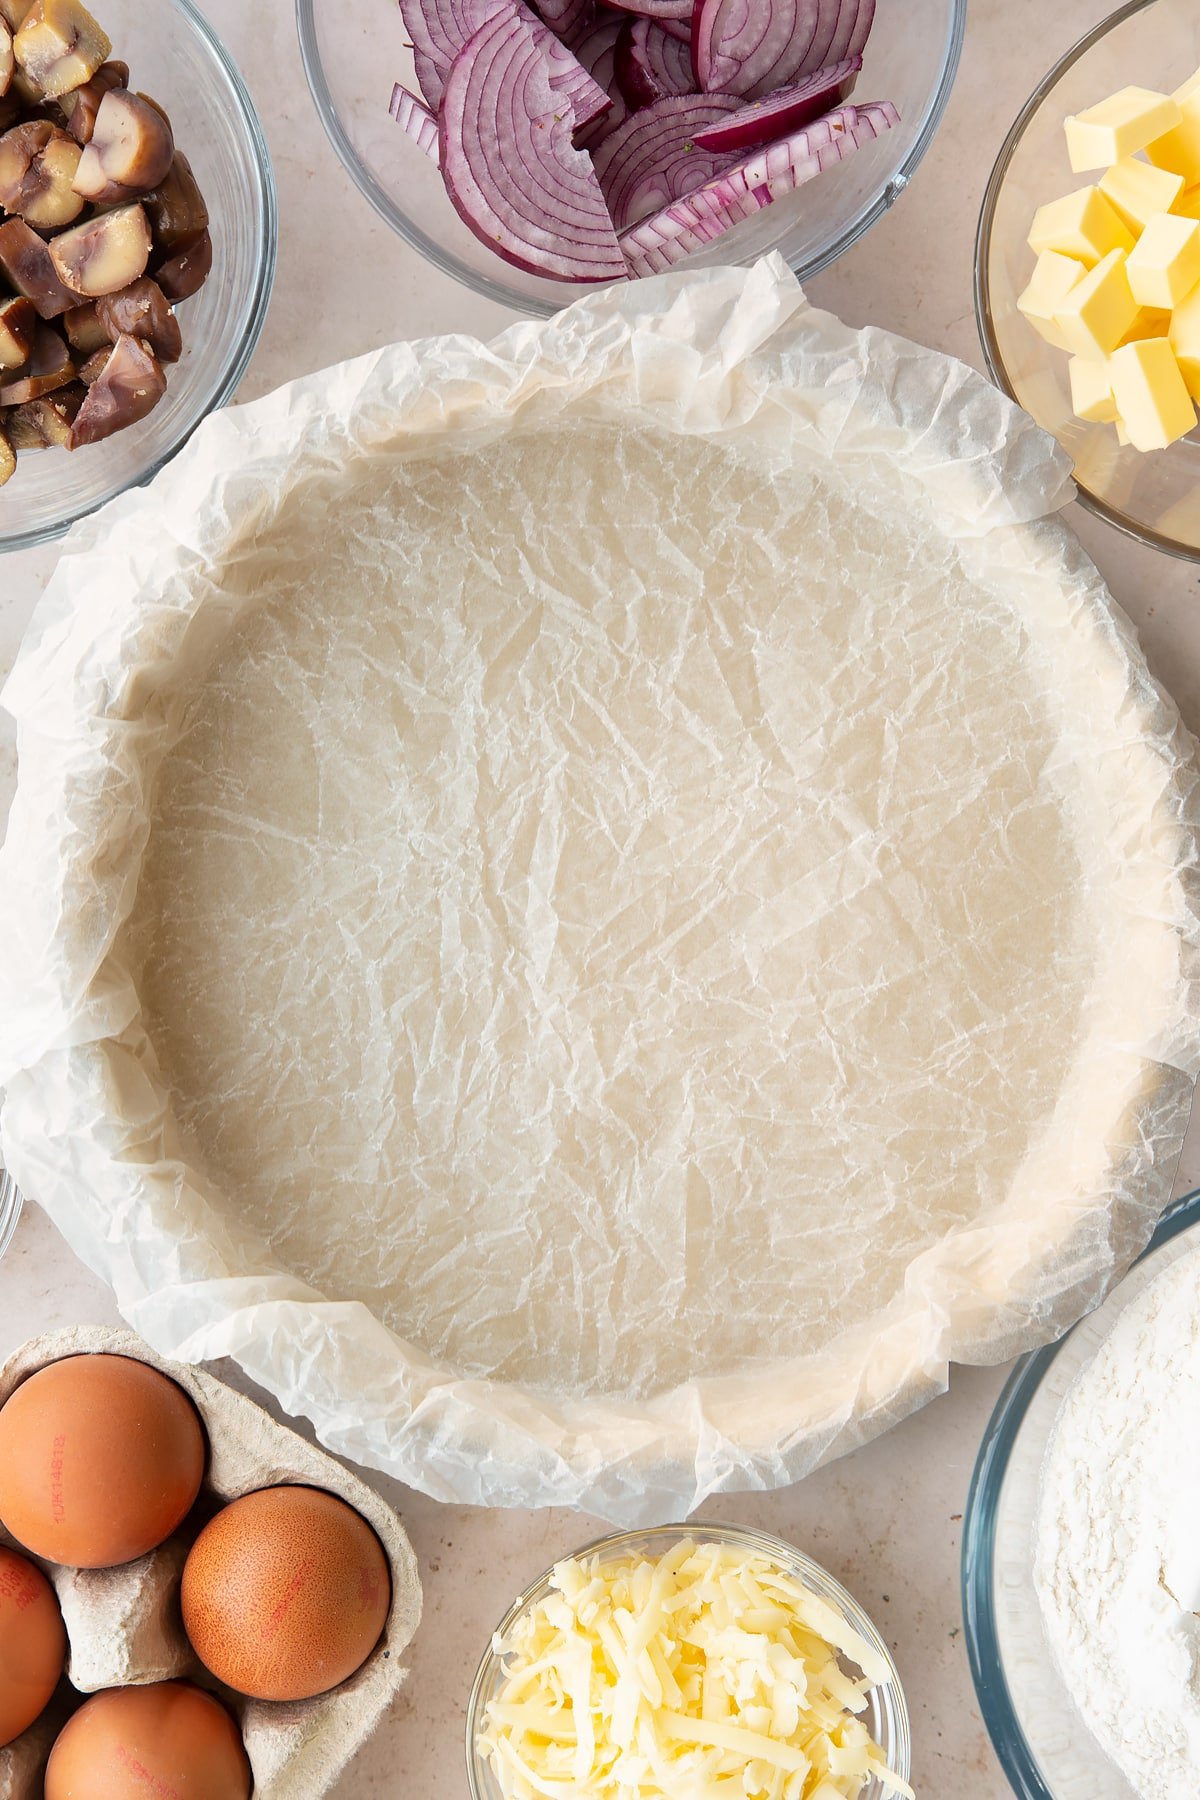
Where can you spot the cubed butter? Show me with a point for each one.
(1164, 264)
(1151, 395)
(1091, 390)
(1138, 191)
(1053, 278)
(1097, 312)
(1187, 206)
(1151, 321)
(1120, 126)
(1184, 335)
(1084, 225)
(1179, 148)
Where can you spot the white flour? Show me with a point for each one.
(1117, 1567)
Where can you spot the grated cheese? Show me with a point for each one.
(707, 1674)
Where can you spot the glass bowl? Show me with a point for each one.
(10, 1208)
(174, 55)
(1040, 1738)
(886, 1715)
(1154, 497)
(355, 49)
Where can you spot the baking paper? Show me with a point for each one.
(595, 909)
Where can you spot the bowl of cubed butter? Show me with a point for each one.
(1087, 273)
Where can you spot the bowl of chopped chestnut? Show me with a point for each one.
(137, 247)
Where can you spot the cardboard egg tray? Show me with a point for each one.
(124, 1626)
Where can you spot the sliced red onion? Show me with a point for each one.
(752, 49)
(851, 38)
(649, 64)
(414, 117)
(652, 158)
(568, 77)
(429, 78)
(596, 51)
(509, 165)
(439, 29)
(679, 28)
(567, 18)
(657, 9)
(786, 111)
(743, 188)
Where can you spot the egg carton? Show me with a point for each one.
(124, 1626)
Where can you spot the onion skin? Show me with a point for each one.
(504, 137)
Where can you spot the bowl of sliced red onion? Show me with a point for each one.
(531, 148)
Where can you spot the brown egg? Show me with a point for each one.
(285, 1593)
(171, 1740)
(33, 1644)
(101, 1458)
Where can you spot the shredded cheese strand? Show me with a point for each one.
(707, 1674)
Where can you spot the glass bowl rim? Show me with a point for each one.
(529, 306)
(11, 1202)
(238, 354)
(1003, 1429)
(992, 355)
(777, 1548)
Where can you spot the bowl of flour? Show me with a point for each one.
(1081, 1561)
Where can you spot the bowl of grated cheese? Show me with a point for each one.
(688, 1663)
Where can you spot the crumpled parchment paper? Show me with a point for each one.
(595, 909)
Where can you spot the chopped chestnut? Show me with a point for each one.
(13, 13)
(8, 456)
(176, 208)
(129, 386)
(26, 263)
(18, 328)
(37, 165)
(94, 366)
(84, 331)
(8, 61)
(185, 273)
(59, 46)
(142, 311)
(83, 103)
(49, 367)
(37, 424)
(130, 150)
(104, 254)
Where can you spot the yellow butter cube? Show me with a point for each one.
(1123, 437)
(1179, 148)
(1099, 309)
(1151, 395)
(1084, 225)
(1151, 321)
(1187, 206)
(1184, 335)
(1052, 279)
(1164, 265)
(1120, 126)
(1091, 390)
(1138, 191)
